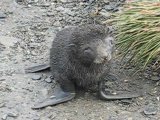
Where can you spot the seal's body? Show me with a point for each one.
(81, 55)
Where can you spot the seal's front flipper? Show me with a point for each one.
(53, 100)
(37, 68)
(59, 97)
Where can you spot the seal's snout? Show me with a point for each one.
(103, 55)
(103, 59)
(109, 56)
(106, 58)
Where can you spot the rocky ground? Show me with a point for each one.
(27, 30)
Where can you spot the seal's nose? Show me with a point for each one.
(105, 58)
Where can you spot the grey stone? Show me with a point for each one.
(30, 1)
(113, 118)
(11, 114)
(155, 73)
(2, 105)
(60, 19)
(91, 1)
(64, 1)
(4, 117)
(156, 78)
(77, 19)
(50, 14)
(106, 1)
(36, 77)
(8, 41)
(67, 1)
(108, 7)
(48, 80)
(57, 24)
(60, 8)
(2, 15)
(45, 5)
(69, 12)
(36, 118)
(34, 53)
(2, 79)
(150, 109)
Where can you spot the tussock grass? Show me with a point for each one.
(138, 32)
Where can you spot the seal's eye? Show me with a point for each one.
(111, 41)
(87, 49)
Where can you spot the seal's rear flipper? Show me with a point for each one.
(37, 68)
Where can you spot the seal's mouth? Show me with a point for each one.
(105, 61)
(102, 60)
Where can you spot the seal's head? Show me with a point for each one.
(93, 44)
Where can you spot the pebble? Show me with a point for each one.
(2, 15)
(53, 116)
(155, 73)
(64, 1)
(2, 105)
(4, 117)
(59, 8)
(106, 1)
(121, 117)
(48, 80)
(108, 7)
(2, 79)
(44, 118)
(57, 23)
(36, 118)
(36, 77)
(45, 5)
(150, 109)
(155, 78)
(91, 1)
(49, 14)
(69, 12)
(113, 117)
(34, 53)
(11, 114)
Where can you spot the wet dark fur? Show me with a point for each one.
(67, 60)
